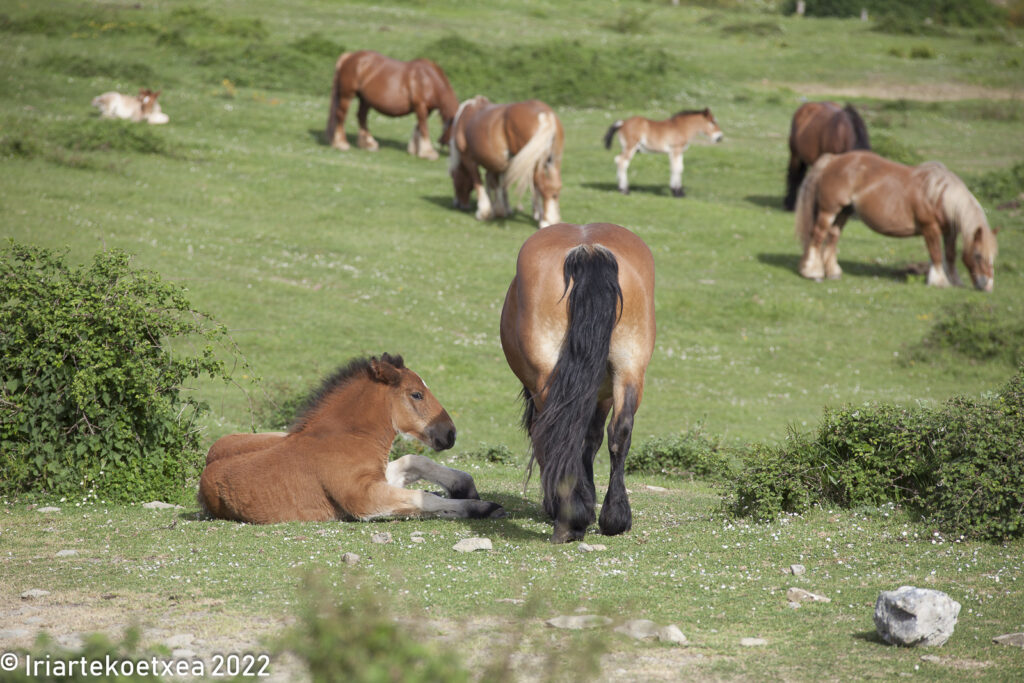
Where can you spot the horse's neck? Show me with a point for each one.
(358, 411)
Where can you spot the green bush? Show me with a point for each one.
(980, 332)
(688, 454)
(53, 663)
(1001, 185)
(90, 389)
(908, 15)
(356, 640)
(958, 466)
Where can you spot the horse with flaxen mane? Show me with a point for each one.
(394, 88)
(578, 331)
(898, 201)
(820, 128)
(671, 136)
(519, 145)
(141, 107)
(333, 461)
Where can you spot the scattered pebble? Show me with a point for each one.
(800, 595)
(578, 622)
(48, 509)
(671, 634)
(350, 558)
(34, 593)
(934, 659)
(160, 505)
(793, 605)
(1013, 639)
(382, 537)
(797, 569)
(67, 553)
(753, 642)
(641, 629)
(652, 487)
(417, 539)
(468, 545)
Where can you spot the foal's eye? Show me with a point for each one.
(417, 395)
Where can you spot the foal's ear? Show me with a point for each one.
(383, 371)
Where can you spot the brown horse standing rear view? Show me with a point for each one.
(578, 331)
(820, 128)
(519, 145)
(393, 88)
(333, 462)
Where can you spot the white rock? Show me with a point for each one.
(652, 487)
(753, 642)
(797, 569)
(800, 595)
(160, 505)
(48, 509)
(578, 622)
(417, 539)
(67, 553)
(382, 537)
(416, 533)
(468, 545)
(1014, 639)
(350, 558)
(671, 634)
(912, 616)
(793, 605)
(640, 629)
(33, 593)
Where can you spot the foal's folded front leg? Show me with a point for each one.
(386, 500)
(410, 468)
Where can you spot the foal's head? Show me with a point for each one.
(980, 258)
(147, 100)
(711, 128)
(414, 410)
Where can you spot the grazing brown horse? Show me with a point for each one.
(333, 462)
(671, 136)
(393, 88)
(578, 330)
(820, 128)
(519, 145)
(898, 201)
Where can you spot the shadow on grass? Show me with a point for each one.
(319, 136)
(516, 219)
(767, 201)
(659, 190)
(871, 637)
(791, 262)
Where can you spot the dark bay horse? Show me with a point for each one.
(333, 461)
(820, 128)
(394, 88)
(519, 145)
(898, 201)
(671, 136)
(578, 331)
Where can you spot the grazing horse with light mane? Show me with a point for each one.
(898, 201)
(519, 145)
(578, 331)
(394, 88)
(820, 128)
(141, 107)
(671, 136)
(333, 461)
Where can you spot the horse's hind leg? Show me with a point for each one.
(830, 245)
(365, 140)
(411, 468)
(616, 516)
(675, 166)
(338, 114)
(812, 265)
(419, 144)
(595, 437)
(497, 194)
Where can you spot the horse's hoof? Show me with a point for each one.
(467, 492)
(564, 534)
(626, 191)
(497, 513)
(680, 192)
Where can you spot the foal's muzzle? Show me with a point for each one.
(441, 435)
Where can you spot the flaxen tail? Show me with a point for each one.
(560, 429)
(523, 166)
(807, 200)
(610, 135)
(332, 114)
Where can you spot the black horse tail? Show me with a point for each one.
(860, 131)
(560, 428)
(611, 133)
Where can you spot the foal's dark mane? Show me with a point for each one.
(689, 112)
(340, 377)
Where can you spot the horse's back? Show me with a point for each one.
(237, 444)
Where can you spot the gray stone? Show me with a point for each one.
(797, 569)
(1014, 639)
(912, 616)
(34, 593)
(49, 508)
(382, 537)
(468, 545)
(578, 622)
(932, 659)
(641, 629)
(67, 553)
(800, 595)
(160, 505)
(671, 634)
(417, 539)
(753, 642)
(350, 558)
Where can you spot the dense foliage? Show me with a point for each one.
(90, 392)
(964, 13)
(959, 464)
(980, 332)
(687, 454)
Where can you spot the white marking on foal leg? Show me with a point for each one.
(483, 204)
(675, 180)
(411, 468)
(937, 277)
(551, 213)
(812, 266)
(621, 168)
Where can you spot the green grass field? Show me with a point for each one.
(312, 256)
